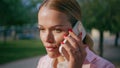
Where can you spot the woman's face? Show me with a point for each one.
(53, 26)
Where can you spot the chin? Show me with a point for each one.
(53, 55)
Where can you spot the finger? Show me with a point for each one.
(65, 53)
(79, 41)
(71, 54)
(81, 45)
(77, 38)
(80, 37)
(73, 39)
(72, 34)
(82, 49)
(72, 42)
(67, 47)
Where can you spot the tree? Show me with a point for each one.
(98, 14)
(16, 13)
(115, 15)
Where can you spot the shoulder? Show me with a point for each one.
(43, 60)
(102, 63)
(98, 61)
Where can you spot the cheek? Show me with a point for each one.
(59, 38)
(41, 37)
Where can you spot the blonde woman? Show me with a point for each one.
(56, 19)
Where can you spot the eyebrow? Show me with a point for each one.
(53, 26)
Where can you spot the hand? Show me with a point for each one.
(74, 50)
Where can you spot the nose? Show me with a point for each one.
(49, 37)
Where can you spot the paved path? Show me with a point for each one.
(25, 63)
(110, 51)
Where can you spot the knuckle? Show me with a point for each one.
(70, 50)
(73, 59)
(74, 43)
(78, 40)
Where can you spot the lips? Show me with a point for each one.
(50, 48)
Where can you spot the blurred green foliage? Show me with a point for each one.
(103, 15)
(18, 12)
(20, 49)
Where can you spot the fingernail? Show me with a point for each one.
(80, 33)
(65, 35)
(62, 42)
(70, 30)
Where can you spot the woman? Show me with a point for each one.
(55, 21)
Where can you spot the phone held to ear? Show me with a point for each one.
(77, 29)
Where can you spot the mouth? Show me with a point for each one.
(50, 48)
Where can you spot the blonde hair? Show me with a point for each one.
(69, 7)
(72, 9)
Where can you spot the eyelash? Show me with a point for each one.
(40, 29)
(56, 30)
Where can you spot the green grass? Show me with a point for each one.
(15, 50)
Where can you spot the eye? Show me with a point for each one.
(58, 30)
(41, 29)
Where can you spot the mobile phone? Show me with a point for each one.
(76, 29)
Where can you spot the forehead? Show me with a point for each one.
(49, 16)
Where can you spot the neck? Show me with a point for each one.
(60, 59)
